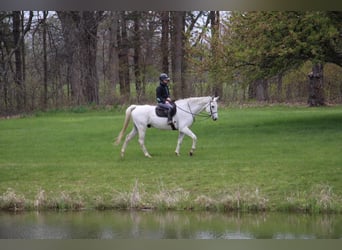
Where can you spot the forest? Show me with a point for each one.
(58, 59)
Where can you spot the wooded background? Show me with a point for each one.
(57, 59)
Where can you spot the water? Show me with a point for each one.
(167, 225)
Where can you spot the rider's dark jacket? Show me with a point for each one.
(162, 92)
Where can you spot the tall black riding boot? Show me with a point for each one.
(169, 118)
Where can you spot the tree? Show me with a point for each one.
(215, 71)
(45, 78)
(165, 19)
(52, 59)
(316, 94)
(123, 44)
(137, 54)
(178, 59)
(270, 43)
(14, 27)
(112, 64)
(80, 39)
(19, 54)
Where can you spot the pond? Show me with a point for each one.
(167, 225)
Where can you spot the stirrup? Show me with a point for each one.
(170, 123)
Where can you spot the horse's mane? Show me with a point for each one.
(195, 99)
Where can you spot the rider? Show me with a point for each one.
(163, 96)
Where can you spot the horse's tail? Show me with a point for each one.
(125, 125)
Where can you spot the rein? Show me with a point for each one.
(206, 116)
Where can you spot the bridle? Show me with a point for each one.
(211, 109)
(206, 116)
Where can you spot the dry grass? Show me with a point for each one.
(320, 199)
(234, 199)
(12, 201)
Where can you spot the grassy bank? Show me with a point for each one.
(261, 158)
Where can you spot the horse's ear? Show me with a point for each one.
(216, 98)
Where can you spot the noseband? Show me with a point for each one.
(211, 110)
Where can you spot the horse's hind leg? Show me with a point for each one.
(179, 142)
(142, 132)
(129, 137)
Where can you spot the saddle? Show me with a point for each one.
(161, 112)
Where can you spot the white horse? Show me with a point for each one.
(144, 116)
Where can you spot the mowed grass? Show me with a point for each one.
(252, 158)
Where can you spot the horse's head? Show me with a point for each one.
(212, 108)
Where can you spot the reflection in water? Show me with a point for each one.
(167, 225)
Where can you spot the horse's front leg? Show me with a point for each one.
(189, 133)
(179, 142)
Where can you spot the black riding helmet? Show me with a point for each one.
(163, 77)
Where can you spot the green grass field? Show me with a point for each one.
(253, 158)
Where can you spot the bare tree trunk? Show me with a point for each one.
(70, 28)
(45, 13)
(19, 31)
(20, 95)
(280, 87)
(262, 90)
(4, 83)
(258, 90)
(215, 34)
(316, 92)
(125, 88)
(12, 44)
(178, 61)
(113, 56)
(137, 54)
(89, 24)
(165, 16)
(252, 90)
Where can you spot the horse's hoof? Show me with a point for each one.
(191, 153)
(177, 154)
(148, 156)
